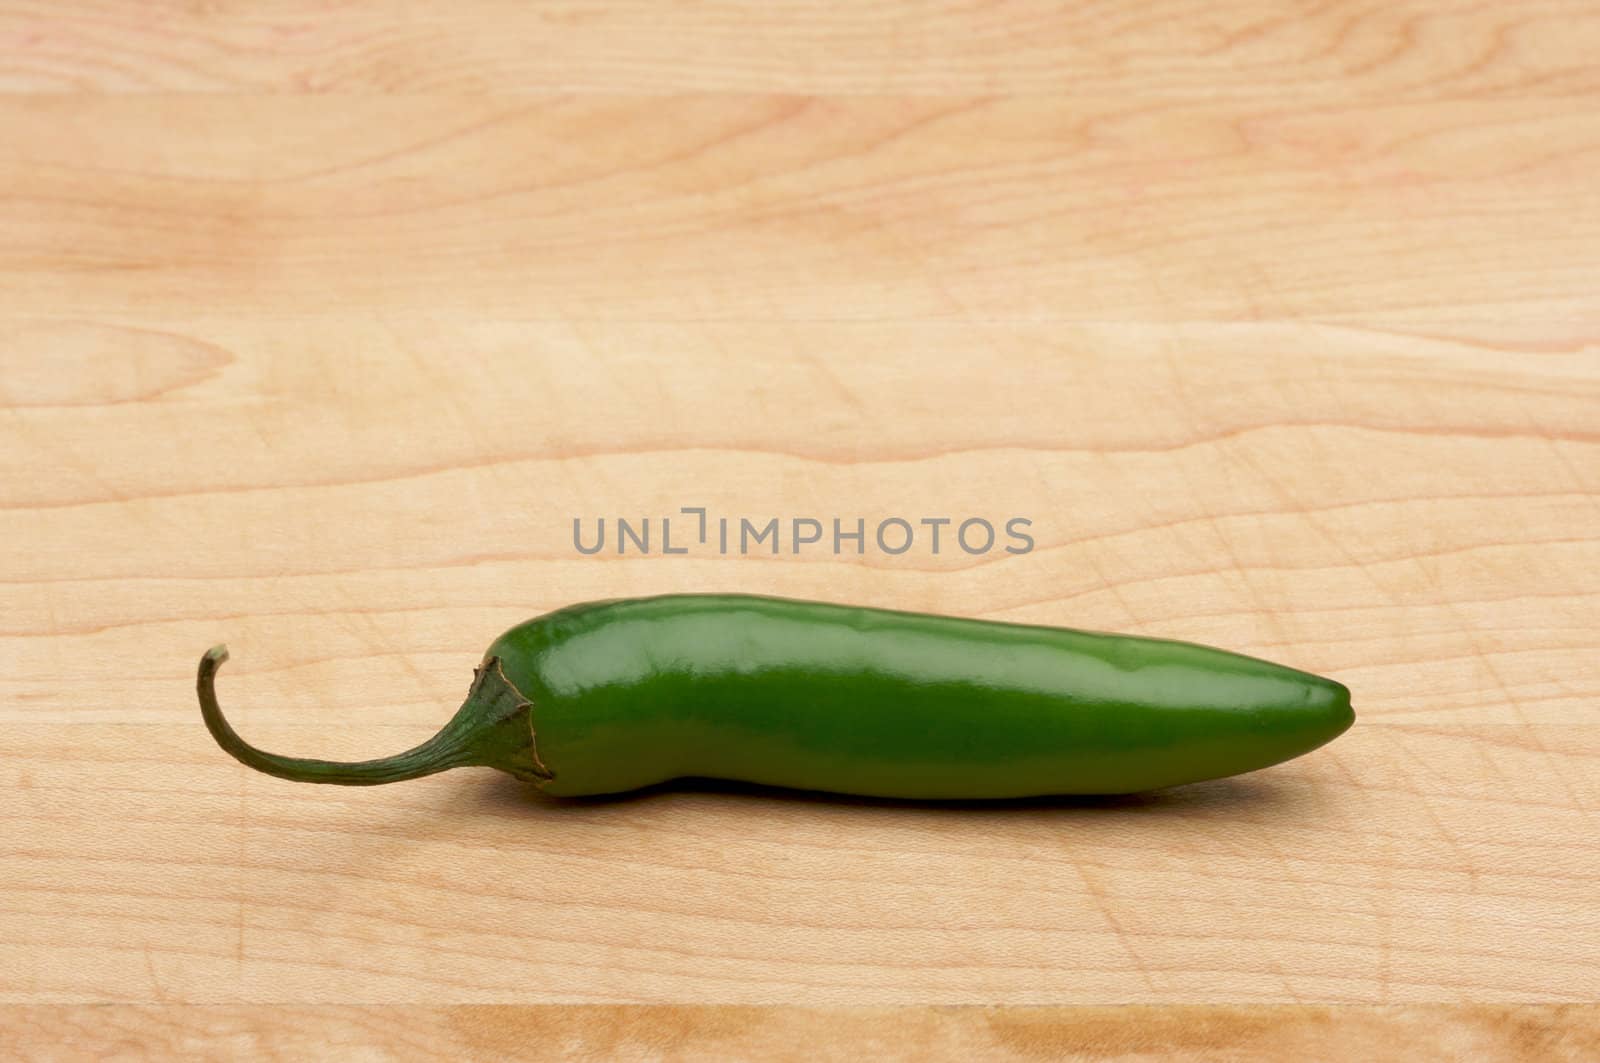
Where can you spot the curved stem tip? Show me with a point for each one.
(493, 728)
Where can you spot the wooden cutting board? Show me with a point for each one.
(321, 328)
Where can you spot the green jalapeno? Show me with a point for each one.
(610, 696)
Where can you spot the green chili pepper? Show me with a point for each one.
(610, 696)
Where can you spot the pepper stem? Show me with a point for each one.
(493, 728)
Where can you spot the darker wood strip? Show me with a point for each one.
(1482, 1032)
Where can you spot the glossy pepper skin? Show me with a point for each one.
(610, 696)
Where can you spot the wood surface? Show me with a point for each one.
(635, 1034)
(320, 323)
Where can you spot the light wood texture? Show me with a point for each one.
(623, 1034)
(1467, 219)
(1280, 322)
(1254, 49)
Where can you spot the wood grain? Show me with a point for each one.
(1254, 49)
(1472, 219)
(1491, 1034)
(320, 324)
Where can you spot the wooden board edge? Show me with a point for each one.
(736, 1032)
